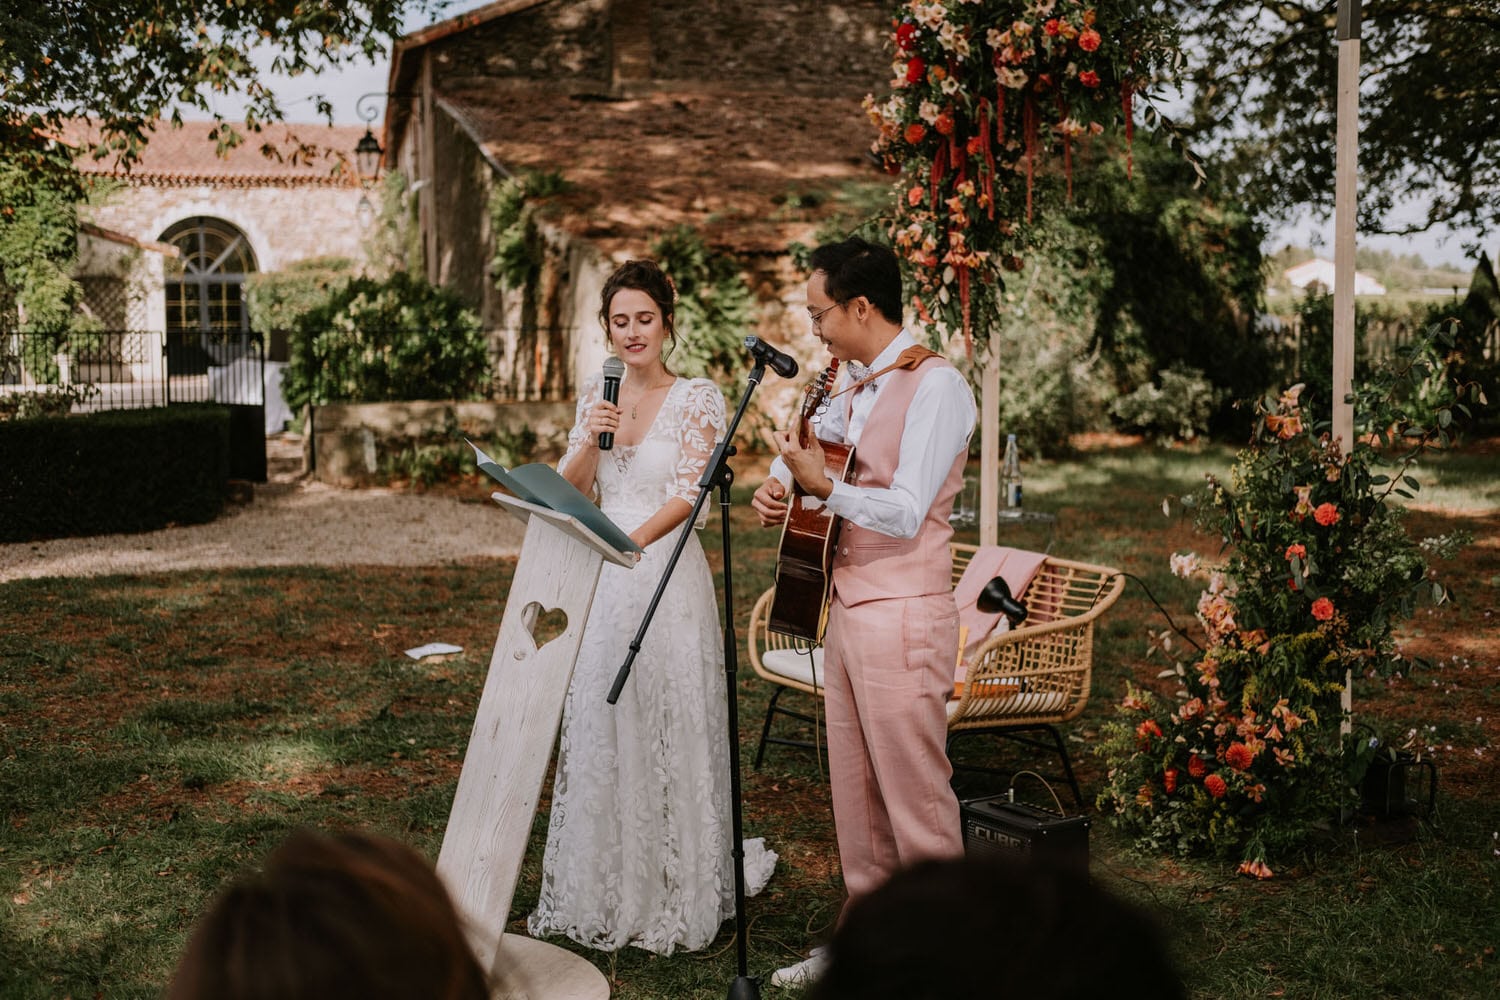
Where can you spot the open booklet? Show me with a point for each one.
(543, 486)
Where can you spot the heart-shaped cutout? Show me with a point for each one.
(544, 624)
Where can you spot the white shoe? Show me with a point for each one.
(805, 972)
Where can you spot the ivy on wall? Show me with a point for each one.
(714, 309)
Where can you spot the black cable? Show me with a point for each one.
(1152, 598)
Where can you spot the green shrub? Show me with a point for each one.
(277, 299)
(388, 340)
(714, 307)
(116, 471)
(1177, 407)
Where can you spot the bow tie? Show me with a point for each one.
(858, 372)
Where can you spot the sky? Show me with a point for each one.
(345, 85)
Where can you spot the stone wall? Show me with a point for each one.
(564, 43)
(347, 441)
(282, 223)
(800, 45)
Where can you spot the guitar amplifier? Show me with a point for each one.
(997, 826)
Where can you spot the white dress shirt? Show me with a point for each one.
(939, 423)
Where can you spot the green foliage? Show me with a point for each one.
(395, 241)
(277, 299)
(714, 308)
(126, 67)
(1248, 759)
(53, 401)
(1177, 407)
(1260, 78)
(380, 341)
(119, 470)
(38, 241)
(513, 204)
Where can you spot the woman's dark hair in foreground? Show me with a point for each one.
(995, 928)
(331, 917)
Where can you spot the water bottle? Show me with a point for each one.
(1010, 475)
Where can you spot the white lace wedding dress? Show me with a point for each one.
(638, 841)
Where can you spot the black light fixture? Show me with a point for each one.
(367, 154)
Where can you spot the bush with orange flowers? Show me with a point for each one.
(1256, 718)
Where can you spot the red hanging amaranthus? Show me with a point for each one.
(980, 92)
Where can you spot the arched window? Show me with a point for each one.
(205, 287)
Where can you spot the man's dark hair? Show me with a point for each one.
(990, 927)
(858, 267)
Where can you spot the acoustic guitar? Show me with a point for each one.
(804, 561)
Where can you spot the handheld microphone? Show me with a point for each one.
(782, 364)
(614, 368)
(996, 597)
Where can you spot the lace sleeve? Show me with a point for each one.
(702, 427)
(579, 434)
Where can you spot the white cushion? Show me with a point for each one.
(795, 664)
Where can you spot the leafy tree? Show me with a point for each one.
(1262, 79)
(130, 63)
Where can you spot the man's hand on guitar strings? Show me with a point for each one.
(807, 463)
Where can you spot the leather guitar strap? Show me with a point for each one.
(907, 359)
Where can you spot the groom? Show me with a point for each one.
(892, 638)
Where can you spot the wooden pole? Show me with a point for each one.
(989, 445)
(1346, 149)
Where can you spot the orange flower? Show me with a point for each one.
(916, 194)
(1326, 514)
(1256, 868)
(1146, 730)
(944, 123)
(915, 132)
(1088, 40)
(1051, 27)
(1088, 78)
(1322, 609)
(1216, 786)
(1169, 780)
(1297, 551)
(1196, 767)
(1239, 756)
(975, 146)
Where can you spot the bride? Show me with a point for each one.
(638, 839)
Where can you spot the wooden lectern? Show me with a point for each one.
(519, 713)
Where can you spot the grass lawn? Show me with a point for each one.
(159, 733)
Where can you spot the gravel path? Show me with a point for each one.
(290, 522)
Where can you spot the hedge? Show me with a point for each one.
(116, 471)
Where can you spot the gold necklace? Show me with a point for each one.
(643, 395)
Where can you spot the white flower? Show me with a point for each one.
(949, 85)
(928, 112)
(1184, 564)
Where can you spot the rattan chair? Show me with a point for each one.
(1019, 683)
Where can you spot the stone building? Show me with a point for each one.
(168, 244)
(743, 121)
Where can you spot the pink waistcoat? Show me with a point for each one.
(869, 566)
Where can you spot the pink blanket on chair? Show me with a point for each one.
(1017, 566)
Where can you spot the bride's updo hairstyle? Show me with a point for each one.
(643, 276)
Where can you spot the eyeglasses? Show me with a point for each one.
(817, 317)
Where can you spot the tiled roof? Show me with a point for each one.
(751, 171)
(188, 156)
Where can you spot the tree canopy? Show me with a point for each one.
(129, 63)
(1262, 79)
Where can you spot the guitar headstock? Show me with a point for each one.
(815, 396)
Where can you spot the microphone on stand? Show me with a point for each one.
(614, 368)
(996, 597)
(782, 364)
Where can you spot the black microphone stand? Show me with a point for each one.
(717, 472)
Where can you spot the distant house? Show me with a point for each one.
(1317, 274)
